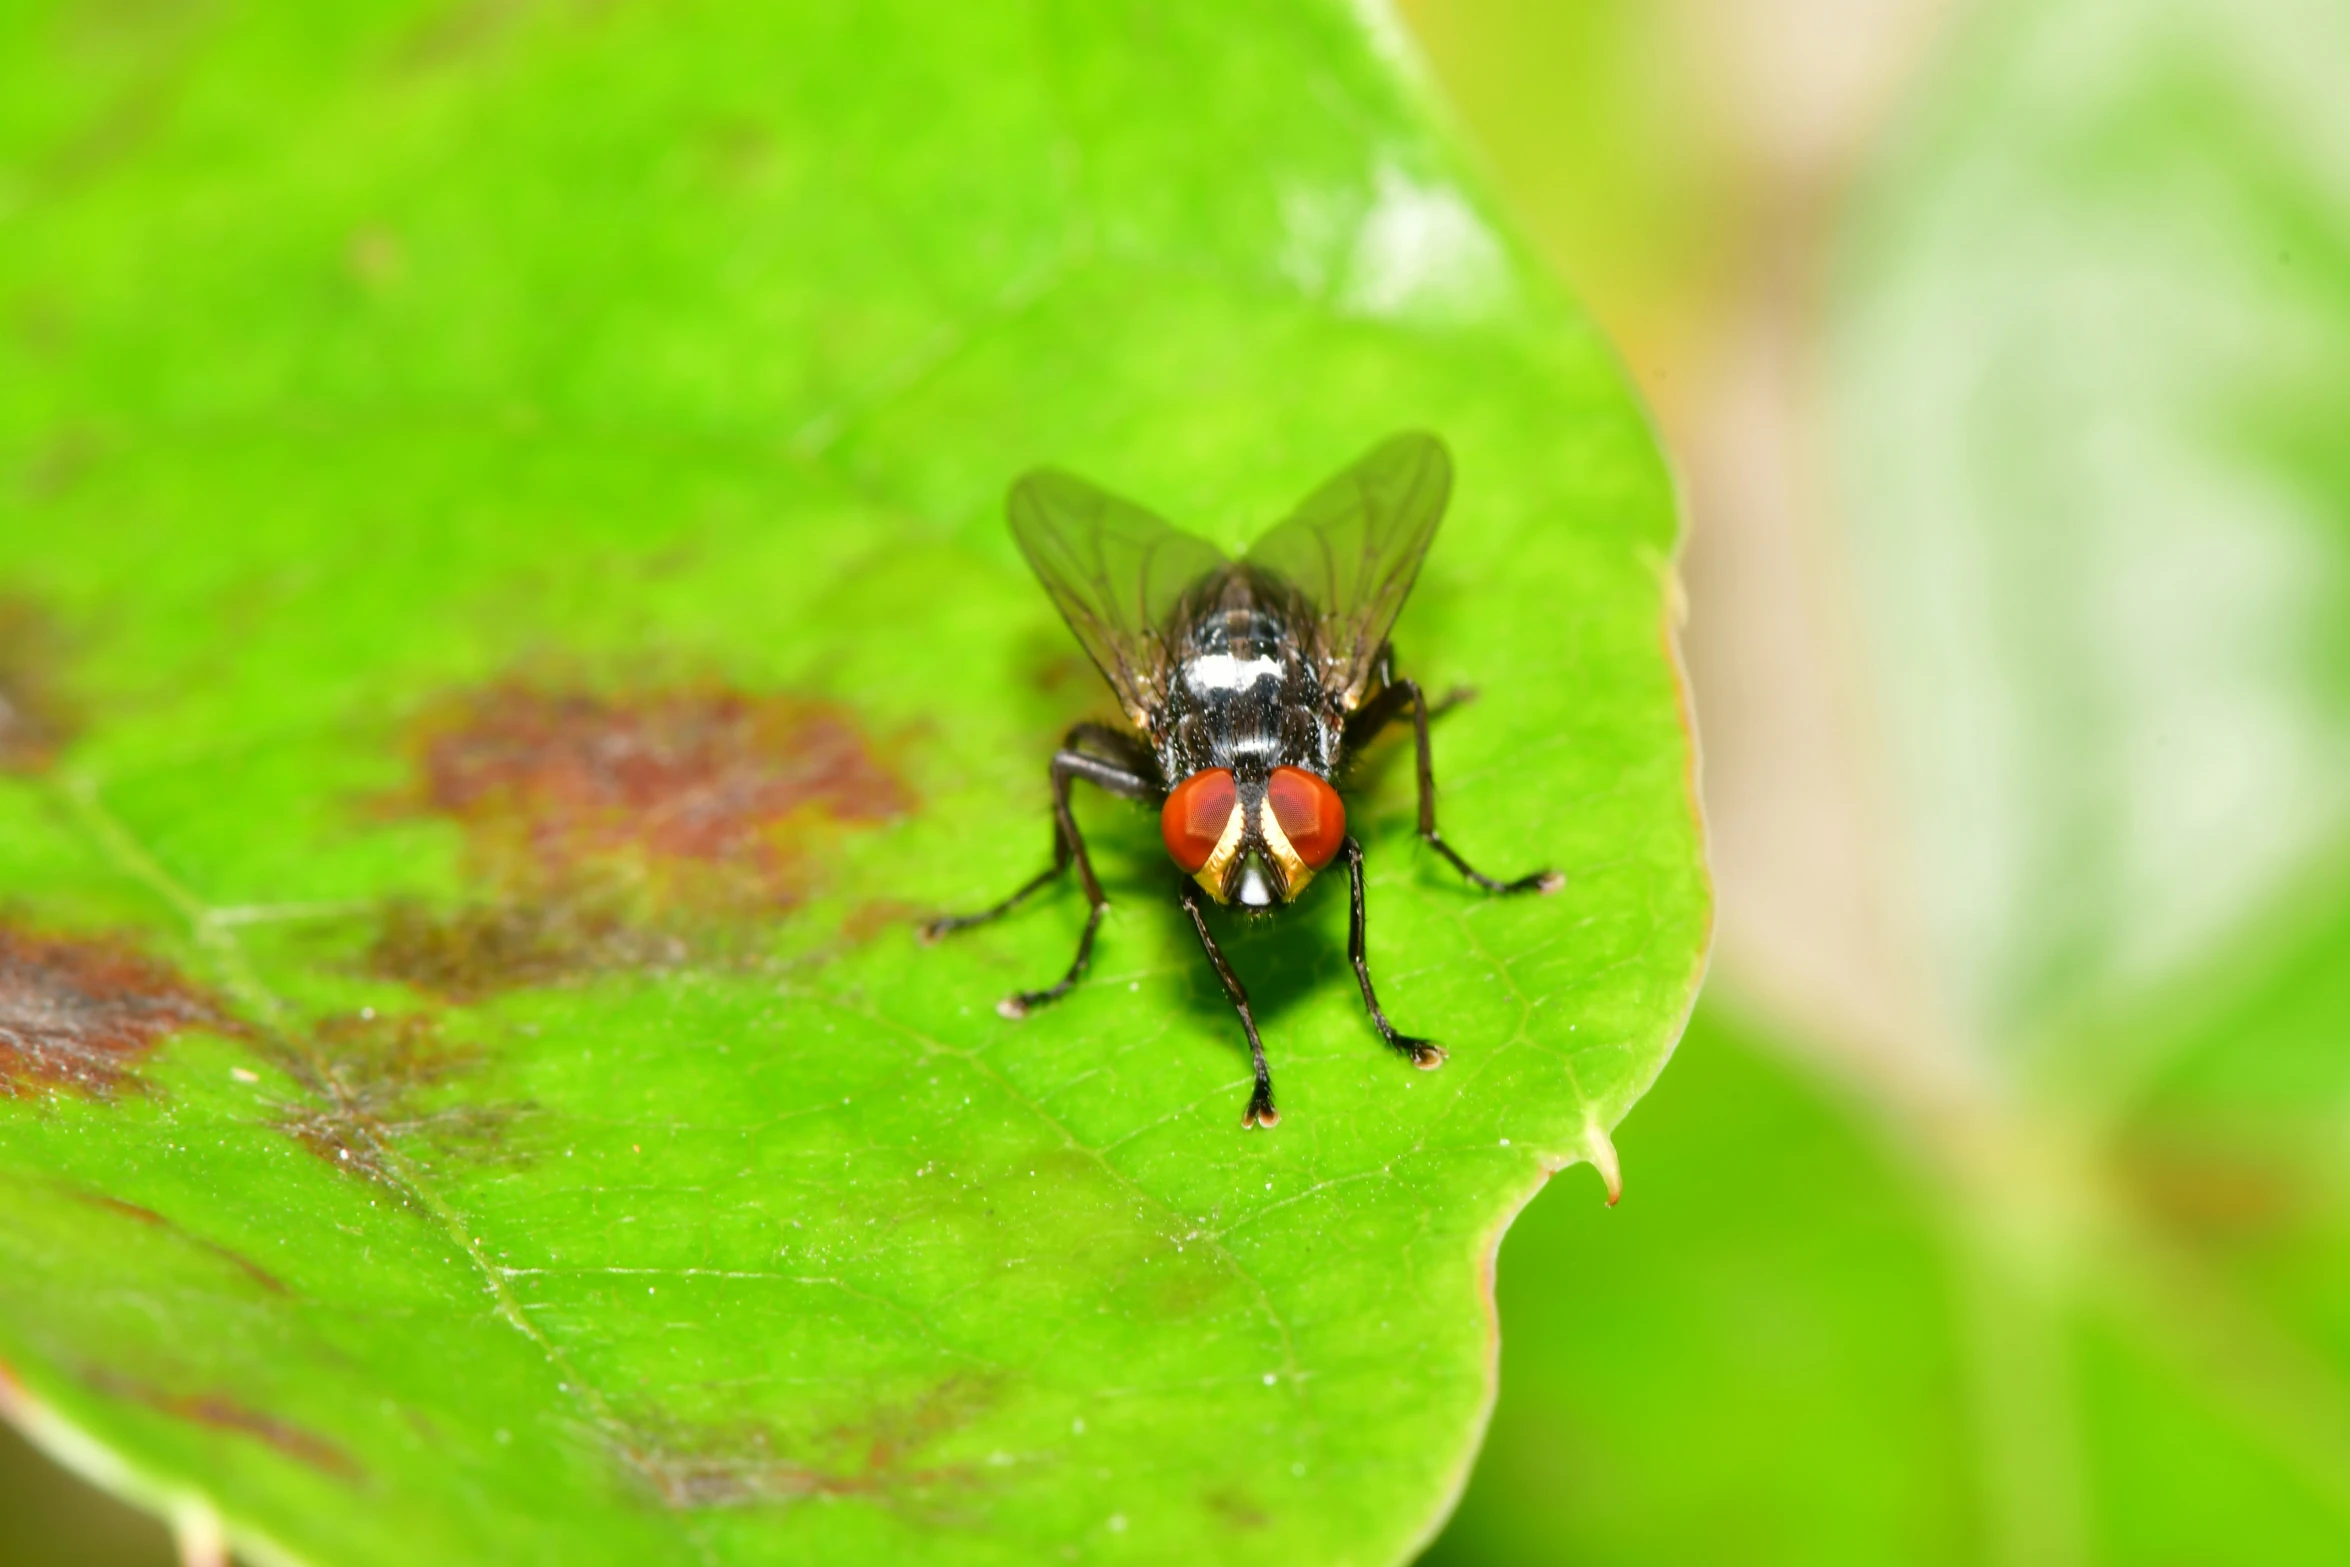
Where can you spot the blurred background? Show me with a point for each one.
(1995, 1207)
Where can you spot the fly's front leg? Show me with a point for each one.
(1425, 1054)
(1260, 1101)
(1068, 765)
(1374, 717)
(1128, 776)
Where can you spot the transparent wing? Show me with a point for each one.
(1115, 571)
(1353, 549)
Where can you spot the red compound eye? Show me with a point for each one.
(1195, 816)
(1310, 813)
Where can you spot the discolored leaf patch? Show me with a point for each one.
(79, 1013)
(470, 953)
(218, 1411)
(624, 832)
(549, 782)
(878, 1457)
(35, 719)
(369, 1076)
(148, 1218)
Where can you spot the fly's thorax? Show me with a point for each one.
(1243, 694)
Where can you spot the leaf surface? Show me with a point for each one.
(510, 623)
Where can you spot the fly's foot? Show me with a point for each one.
(1261, 1111)
(1422, 1053)
(1426, 1054)
(1016, 1006)
(940, 926)
(1540, 881)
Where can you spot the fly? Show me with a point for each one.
(1250, 684)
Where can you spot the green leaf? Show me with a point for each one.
(512, 624)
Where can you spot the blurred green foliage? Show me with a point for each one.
(2052, 1269)
(47, 1516)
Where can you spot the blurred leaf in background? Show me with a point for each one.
(2004, 1193)
(508, 622)
(47, 1515)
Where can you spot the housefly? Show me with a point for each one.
(1250, 684)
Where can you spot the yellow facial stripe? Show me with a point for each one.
(1211, 875)
(1295, 873)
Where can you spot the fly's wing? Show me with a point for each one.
(1353, 548)
(1115, 571)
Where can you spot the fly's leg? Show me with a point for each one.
(1068, 845)
(1065, 766)
(948, 924)
(1260, 1102)
(1425, 1054)
(1458, 696)
(1124, 751)
(1382, 710)
(1068, 765)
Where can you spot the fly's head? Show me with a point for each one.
(1253, 841)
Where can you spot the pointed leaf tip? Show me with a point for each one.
(1601, 1153)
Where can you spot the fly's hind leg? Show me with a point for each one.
(1375, 716)
(1068, 765)
(1260, 1100)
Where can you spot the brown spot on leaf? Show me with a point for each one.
(476, 952)
(221, 1412)
(369, 1076)
(153, 1220)
(376, 258)
(1235, 1507)
(633, 832)
(35, 720)
(876, 1457)
(676, 778)
(870, 918)
(79, 1013)
(1051, 669)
